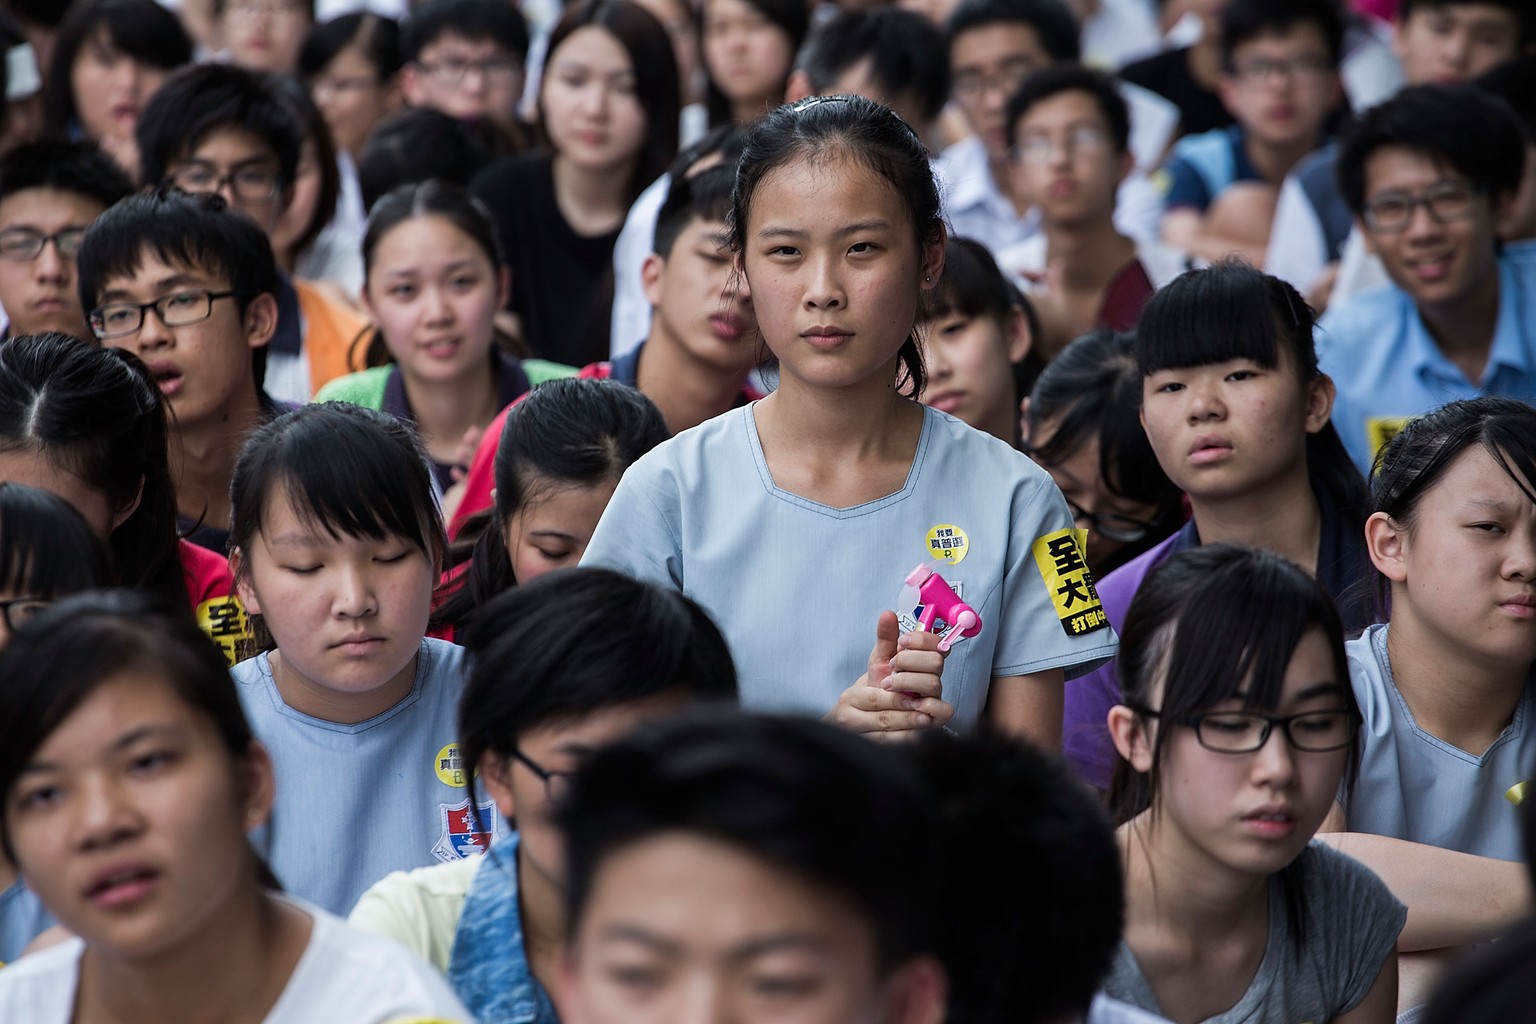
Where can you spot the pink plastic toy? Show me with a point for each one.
(941, 604)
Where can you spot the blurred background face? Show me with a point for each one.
(748, 56)
(265, 35)
(111, 88)
(352, 98)
(1441, 44)
(469, 79)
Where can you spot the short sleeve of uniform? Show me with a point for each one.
(639, 533)
(1353, 921)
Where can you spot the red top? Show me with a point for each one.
(211, 590)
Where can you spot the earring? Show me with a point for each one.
(929, 278)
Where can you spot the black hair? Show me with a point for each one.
(567, 432)
(197, 101)
(905, 50)
(58, 660)
(847, 816)
(1474, 133)
(1514, 82)
(1213, 624)
(1092, 391)
(430, 198)
(533, 662)
(704, 196)
(823, 128)
(1053, 23)
(77, 167)
(725, 140)
(1032, 881)
(418, 144)
(500, 22)
(97, 414)
(1415, 459)
(972, 285)
(1521, 9)
(1229, 311)
(318, 135)
(195, 231)
(47, 13)
(792, 17)
(142, 29)
(46, 549)
(645, 41)
(1060, 78)
(1243, 21)
(345, 470)
(376, 37)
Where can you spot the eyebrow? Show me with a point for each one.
(1489, 504)
(123, 742)
(856, 228)
(297, 539)
(635, 933)
(780, 942)
(162, 285)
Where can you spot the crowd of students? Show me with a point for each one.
(460, 462)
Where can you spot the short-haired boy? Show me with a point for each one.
(215, 128)
(1428, 175)
(189, 286)
(1280, 80)
(466, 58)
(50, 192)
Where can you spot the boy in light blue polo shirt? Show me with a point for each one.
(1427, 175)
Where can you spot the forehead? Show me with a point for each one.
(601, 726)
(1074, 106)
(125, 702)
(822, 194)
(996, 42)
(1302, 37)
(1397, 167)
(151, 268)
(1473, 475)
(456, 44)
(228, 145)
(1472, 15)
(425, 238)
(48, 205)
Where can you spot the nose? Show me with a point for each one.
(1205, 402)
(703, 1001)
(437, 305)
(824, 290)
(152, 332)
(50, 263)
(102, 813)
(355, 597)
(1520, 562)
(1274, 764)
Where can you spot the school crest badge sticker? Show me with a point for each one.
(462, 835)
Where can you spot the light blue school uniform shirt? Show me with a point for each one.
(22, 919)
(357, 801)
(797, 586)
(1388, 369)
(1415, 786)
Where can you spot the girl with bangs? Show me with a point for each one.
(335, 559)
(1238, 414)
(1236, 729)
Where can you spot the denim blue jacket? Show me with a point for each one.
(488, 966)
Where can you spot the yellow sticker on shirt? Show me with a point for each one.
(948, 543)
(1381, 429)
(224, 620)
(1516, 794)
(1064, 568)
(450, 766)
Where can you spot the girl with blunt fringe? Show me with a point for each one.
(129, 779)
(1236, 728)
(336, 543)
(541, 697)
(795, 519)
(89, 424)
(561, 453)
(1238, 414)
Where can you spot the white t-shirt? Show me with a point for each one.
(345, 976)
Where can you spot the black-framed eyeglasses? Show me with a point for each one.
(452, 70)
(20, 609)
(254, 183)
(27, 244)
(1446, 202)
(556, 784)
(1125, 529)
(1243, 732)
(178, 309)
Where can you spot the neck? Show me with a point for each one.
(1177, 892)
(340, 706)
(542, 906)
(1090, 253)
(1456, 694)
(446, 410)
(1274, 161)
(687, 390)
(1204, 62)
(593, 202)
(195, 982)
(1283, 518)
(864, 421)
(203, 458)
(1463, 328)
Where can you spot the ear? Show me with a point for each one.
(1133, 740)
(261, 320)
(1387, 543)
(1320, 395)
(411, 86)
(503, 287)
(243, 588)
(933, 258)
(258, 786)
(122, 515)
(1019, 338)
(652, 269)
(496, 776)
(1024, 420)
(798, 87)
(917, 992)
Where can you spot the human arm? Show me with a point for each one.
(1380, 1004)
(1029, 707)
(898, 696)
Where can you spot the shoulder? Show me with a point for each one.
(1361, 314)
(365, 387)
(252, 671)
(1343, 895)
(440, 658)
(40, 988)
(419, 909)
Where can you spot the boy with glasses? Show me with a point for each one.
(220, 130)
(189, 286)
(1428, 175)
(50, 192)
(1280, 80)
(467, 59)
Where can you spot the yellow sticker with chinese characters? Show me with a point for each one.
(224, 620)
(948, 543)
(1516, 794)
(1381, 429)
(450, 767)
(1064, 568)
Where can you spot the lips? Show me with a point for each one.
(947, 401)
(358, 643)
(122, 885)
(1208, 448)
(727, 326)
(1430, 268)
(168, 376)
(441, 348)
(1522, 606)
(1271, 822)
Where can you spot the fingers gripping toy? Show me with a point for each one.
(942, 611)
